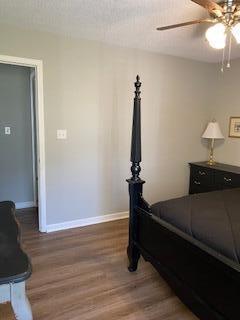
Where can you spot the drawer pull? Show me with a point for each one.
(202, 173)
(227, 179)
(197, 183)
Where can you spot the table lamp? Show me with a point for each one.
(212, 132)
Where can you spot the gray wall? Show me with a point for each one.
(16, 181)
(226, 104)
(88, 90)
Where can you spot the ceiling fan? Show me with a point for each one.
(225, 16)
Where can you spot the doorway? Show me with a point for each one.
(22, 135)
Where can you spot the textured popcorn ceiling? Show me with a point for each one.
(129, 23)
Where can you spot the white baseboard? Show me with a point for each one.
(86, 222)
(25, 205)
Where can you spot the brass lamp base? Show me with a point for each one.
(211, 161)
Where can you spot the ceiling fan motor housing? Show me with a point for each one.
(226, 12)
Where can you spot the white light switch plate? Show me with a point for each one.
(61, 134)
(7, 130)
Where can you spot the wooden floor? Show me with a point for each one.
(81, 274)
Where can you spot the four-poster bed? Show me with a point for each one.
(191, 261)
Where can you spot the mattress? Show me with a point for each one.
(212, 218)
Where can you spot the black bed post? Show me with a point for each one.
(135, 183)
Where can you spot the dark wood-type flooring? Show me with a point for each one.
(81, 274)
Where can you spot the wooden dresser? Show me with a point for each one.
(206, 178)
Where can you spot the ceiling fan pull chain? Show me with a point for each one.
(223, 59)
(229, 50)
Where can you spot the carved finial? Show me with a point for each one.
(136, 133)
(138, 86)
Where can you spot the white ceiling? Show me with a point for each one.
(130, 23)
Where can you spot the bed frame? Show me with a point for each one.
(207, 282)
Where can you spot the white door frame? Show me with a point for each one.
(33, 125)
(38, 66)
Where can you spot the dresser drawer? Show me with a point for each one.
(201, 180)
(206, 178)
(197, 187)
(227, 180)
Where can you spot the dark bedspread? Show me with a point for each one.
(212, 218)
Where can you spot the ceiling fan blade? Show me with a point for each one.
(211, 6)
(173, 26)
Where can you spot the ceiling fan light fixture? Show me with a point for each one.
(216, 36)
(236, 32)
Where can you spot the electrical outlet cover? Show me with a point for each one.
(61, 134)
(7, 130)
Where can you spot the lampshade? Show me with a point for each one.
(213, 131)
